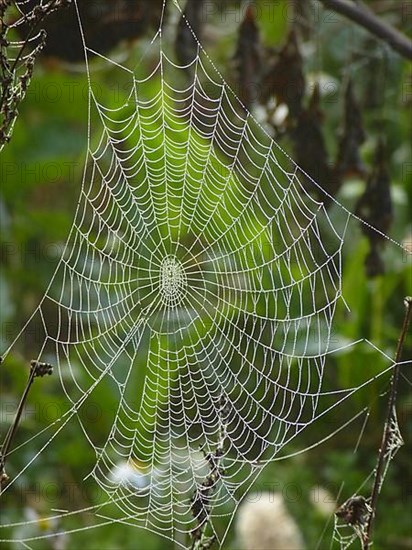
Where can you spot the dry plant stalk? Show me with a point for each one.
(359, 512)
(37, 370)
(390, 421)
(17, 59)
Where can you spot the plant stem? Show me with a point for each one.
(363, 16)
(36, 369)
(391, 416)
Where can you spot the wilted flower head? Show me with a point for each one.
(264, 523)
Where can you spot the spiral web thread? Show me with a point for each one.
(200, 281)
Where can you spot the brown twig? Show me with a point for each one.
(363, 16)
(37, 369)
(391, 416)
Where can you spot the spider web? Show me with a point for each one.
(200, 281)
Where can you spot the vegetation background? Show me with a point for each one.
(273, 53)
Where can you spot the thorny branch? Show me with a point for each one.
(16, 68)
(363, 16)
(37, 369)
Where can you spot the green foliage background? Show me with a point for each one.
(40, 180)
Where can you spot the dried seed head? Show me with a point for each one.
(41, 369)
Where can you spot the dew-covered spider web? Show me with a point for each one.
(199, 282)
